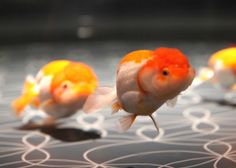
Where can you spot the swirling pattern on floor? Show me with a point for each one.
(198, 132)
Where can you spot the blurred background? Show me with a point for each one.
(79, 20)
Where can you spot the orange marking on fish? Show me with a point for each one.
(169, 59)
(54, 67)
(79, 74)
(170, 56)
(226, 56)
(137, 56)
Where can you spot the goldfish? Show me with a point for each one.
(145, 80)
(59, 89)
(221, 69)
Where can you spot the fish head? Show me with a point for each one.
(167, 74)
(74, 84)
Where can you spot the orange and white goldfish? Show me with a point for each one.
(60, 88)
(221, 69)
(145, 80)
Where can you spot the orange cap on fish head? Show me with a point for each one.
(77, 79)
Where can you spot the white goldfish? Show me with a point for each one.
(59, 89)
(221, 69)
(145, 80)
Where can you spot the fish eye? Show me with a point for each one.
(165, 72)
(64, 85)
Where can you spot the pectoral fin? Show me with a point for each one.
(172, 102)
(116, 107)
(48, 103)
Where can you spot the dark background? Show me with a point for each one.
(80, 20)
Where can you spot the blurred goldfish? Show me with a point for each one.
(60, 88)
(221, 69)
(145, 80)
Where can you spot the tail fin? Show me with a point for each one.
(126, 122)
(28, 96)
(101, 98)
